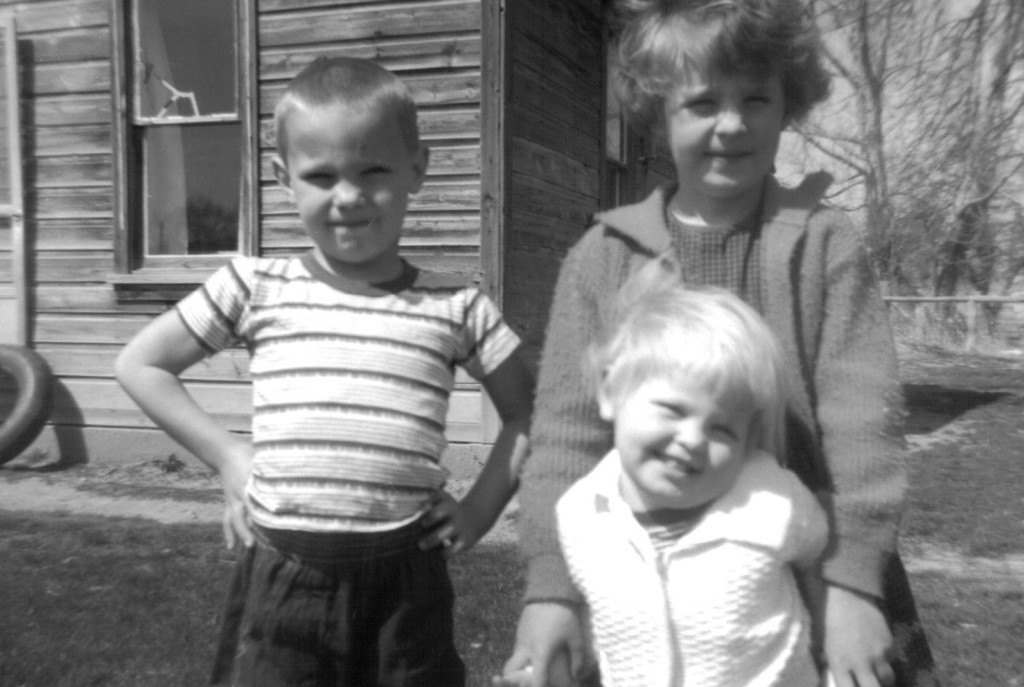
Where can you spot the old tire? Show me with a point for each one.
(32, 404)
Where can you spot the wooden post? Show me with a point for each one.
(11, 202)
(972, 325)
(920, 320)
(971, 315)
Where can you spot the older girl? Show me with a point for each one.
(719, 80)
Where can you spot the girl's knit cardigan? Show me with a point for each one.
(821, 299)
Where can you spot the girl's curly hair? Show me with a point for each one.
(658, 40)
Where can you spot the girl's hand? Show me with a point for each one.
(449, 525)
(858, 643)
(234, 475)
(557, 676)
(550, 649)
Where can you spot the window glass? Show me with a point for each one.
(186, 62)
(614, 123)
(188, 130)
(192, 188)
(615, 140)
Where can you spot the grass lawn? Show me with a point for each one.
(107, 603)
(119, 603)
(104, 602)
(968, 497)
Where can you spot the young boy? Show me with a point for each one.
(338, 495)
(682, 540)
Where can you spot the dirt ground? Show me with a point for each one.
(940, 386)
(169, 491)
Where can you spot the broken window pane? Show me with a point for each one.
(186, 63)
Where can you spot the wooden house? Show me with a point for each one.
(145, 138)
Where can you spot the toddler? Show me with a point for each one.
(683, 538)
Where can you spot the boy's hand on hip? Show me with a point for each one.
(858, 642)
(234, 475)
(447, 525)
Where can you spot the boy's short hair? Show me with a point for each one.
(354, 83)
(660, 327)
(661, 39)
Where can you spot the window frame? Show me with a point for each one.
(129, 268)
(623, 177)
(14, 209)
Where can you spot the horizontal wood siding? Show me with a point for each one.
(435, 47)
(64, 50)
(80, 322)
(555, 128)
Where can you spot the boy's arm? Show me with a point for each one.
(463, 524)
(148, 369)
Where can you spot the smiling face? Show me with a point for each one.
(681, 445)
(723, 132)
(350, 173)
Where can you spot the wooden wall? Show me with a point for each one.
(79, 323)
(555, 134)
(435, 47)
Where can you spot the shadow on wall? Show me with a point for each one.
(69, 433)
(66, 439)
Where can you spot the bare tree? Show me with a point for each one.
(925, 132)
(861, 35)
(988, 154)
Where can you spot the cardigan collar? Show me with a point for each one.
(739, 515)
(783, 218)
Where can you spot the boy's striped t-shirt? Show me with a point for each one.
(350, 387)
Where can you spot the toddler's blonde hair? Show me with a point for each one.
(660, 327)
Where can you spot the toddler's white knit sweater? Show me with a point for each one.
(721, 607)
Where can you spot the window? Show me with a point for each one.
(616, 137)
(625, 162)
(184, 125)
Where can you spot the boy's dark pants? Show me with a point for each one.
(380, 621)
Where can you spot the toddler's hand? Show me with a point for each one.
(858, 643)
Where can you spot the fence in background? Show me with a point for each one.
(1012, 333)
